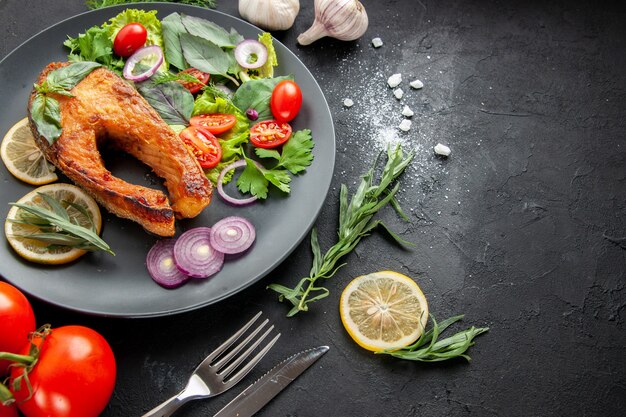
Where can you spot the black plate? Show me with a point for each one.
(120, 286)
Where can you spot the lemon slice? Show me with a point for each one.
(23, 158)
(37, 251)
(383, 310)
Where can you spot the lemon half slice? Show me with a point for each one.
(383, 310)
(37, 251)
(23, 158)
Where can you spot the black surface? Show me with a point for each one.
(522, 228)
(120, 286)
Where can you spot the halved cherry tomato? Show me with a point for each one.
(215, 123)
(193, 88)
(17, 321)
(130, 38)
(203, 145)
(269, 134)
(74, 374)
(286, 101)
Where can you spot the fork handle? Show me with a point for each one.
(167, 408)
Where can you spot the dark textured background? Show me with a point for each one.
(522, 229)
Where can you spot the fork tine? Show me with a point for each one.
(248, 367)
(221, 348)
(234, 351)
(235, 363)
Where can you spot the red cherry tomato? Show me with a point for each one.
(130, 38)
(8, 411)
(269, 134)
(193, 88)
(215, 123)
(286, 101)
(203, 145)
(17, 320)
(74, 375)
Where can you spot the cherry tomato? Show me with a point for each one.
(8, 411)
(74, 375)
(286, 101)
(130, 38)
(269, 134)
(193, 88)
(17, 321)
(215, 123)
(204, 146)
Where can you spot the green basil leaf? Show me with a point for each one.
(67, 77)
(171, 100)
(209, 31)
(256, 94)
(172, 27)
(204, 55)
(46, 114)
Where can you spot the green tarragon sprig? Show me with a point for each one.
(355, 222)
(45, 110)
(429, 349)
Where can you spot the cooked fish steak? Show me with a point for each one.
(105, 108)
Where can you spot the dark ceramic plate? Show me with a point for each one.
(120, 286)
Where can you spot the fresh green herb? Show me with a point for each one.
(97, 4)
(94, 45)
(57, 227)
(172, 27)
(166, 76)
(355, 222)
(45, 110)
(216, 34)
(171, 100)
(296, 155)
(256, 94)
(205, 56)
(429, 349)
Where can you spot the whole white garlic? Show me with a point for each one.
(270, 14)
(345, 20)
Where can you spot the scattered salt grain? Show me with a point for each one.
(416, 84)
(377, 42)
(348, 103)
(442, 150)
(394, 80)
(407, 112)
(405, 125)
(398, 93)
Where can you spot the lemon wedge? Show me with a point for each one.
(23, 158)
(40, 252)
(383, 310)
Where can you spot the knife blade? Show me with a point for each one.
(253, 398)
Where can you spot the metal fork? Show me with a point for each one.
(215, 375)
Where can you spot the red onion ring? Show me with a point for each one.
(220, 185)
(161, 265)
(194, 254)
(232, 235)
(246, 49)
(137, 57)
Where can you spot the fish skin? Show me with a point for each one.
(106, 110)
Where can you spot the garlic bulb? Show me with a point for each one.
(345, 20)
(270, 14)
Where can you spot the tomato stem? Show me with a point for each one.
(6, 397)
(14, 357)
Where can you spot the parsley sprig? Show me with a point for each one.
(429, 349)
(355, 222)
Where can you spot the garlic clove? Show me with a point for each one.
(270, 14)
(345, 20)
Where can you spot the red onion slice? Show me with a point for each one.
(194, 254)
(251, 54)
(232, 235)
(161, 265)
(220, 186)
(137, 57)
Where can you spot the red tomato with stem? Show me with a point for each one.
(17, 320)
(286, 101)
(129, 39)
(215, 123)
(269, 134)
(204, 146)
(193, 87)
(73, 377)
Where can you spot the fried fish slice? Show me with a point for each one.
(105, 108)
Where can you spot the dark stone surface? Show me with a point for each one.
(522, 228)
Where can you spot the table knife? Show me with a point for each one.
(253, 398)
